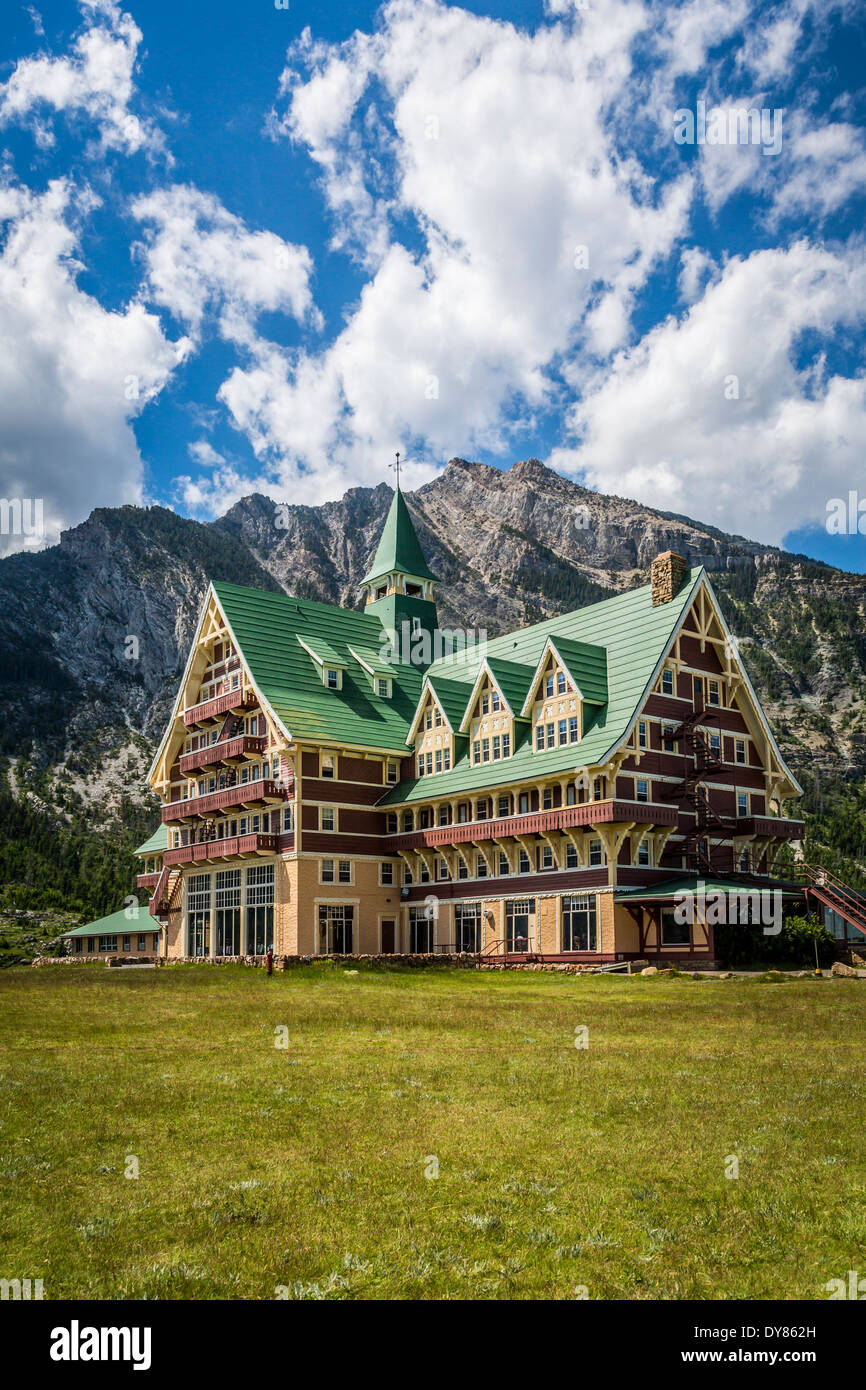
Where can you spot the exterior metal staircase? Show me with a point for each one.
(702, 763)
(826, 888)
(162, 893)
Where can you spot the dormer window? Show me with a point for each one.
(383, 687)
(560, 682)
(333, 677)
(548, 685)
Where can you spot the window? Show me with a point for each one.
(407, 821)
(744, 864)
(437, 717)
(523, 803)
(332, 678)
(667, 682)
(386, 874)
(421, 933)
(407, 875)
(643, 853)
(570, 856)
(504, 866)
(539, 738)
(506, 745)
(392, 773)
(446, 758)
(713, 693)
(485, 750)
(523, 864)
(563, 732)
(108, 943)
(669, 742)
(715, 742)
(391, 823)
(420, 764)
(642, 734)
(476, 751)
(579, 923)
(344, 871)
(78, 944)
(497, 748)
(462, 871)
(740, 750)
(551, 735)
(560, 682)
(442, 870)
(485, 704)
(597, 789)
(503, 806)
(142, 943)
(327, 818)
(444, 815)
(428, 719)
(383, 687)
(227, 917)
(198, 914)
(467, 927)
(641, 789)
(480, 866)
(438, 759)
(326, 768)
(127, 945)
(572, 729)
(519, 923)
(547, 802)
(742, 804)
(674, 933)
(548, 685)
(547, 857)
(596, 856)
(336, 924)
(495, 702)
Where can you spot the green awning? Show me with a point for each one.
(157, 842)
(694, 885)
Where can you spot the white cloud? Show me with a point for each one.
(72, 374)
(200, 259)
(663, 426)
(95, 79)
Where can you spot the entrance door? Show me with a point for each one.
(388, 937)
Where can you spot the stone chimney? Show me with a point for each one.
(668, 572)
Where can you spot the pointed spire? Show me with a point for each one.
(399, 548)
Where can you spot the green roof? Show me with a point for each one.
(452, 696)
(265, 627)
(694, 884)
(634, 633)
(587, 665)
(399, 547)
(157, 842)
(118, 924)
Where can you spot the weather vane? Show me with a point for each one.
(396, 466)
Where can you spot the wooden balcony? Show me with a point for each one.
(242, 794)
(228, 751)
(772, 827)
(218, 707)
(147, 880)
(226, 849)
(537, 823)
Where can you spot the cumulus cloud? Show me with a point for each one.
(715, 414)
(73, 375)
(201, 259)
(95, 79)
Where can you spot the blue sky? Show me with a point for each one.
(248, 248)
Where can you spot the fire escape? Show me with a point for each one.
(702, 763)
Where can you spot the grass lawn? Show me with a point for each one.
(559, 1168)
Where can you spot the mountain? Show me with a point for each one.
(94, 631)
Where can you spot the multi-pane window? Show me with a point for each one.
(740, 750)
(495, 702)
(667, 682)
(713, 693)
(742, 803)
(573, 733)
(227, 900)
(480, 866)
(327, 765)
(674, 933)
(462, 871)
(560, 682)
(383, 687)
(198, 901)
(467, 927)
(563, 732)
(327, 871)
(579, 932)
(597, 789)
(497, 748)
(442, 869)
(548, 684)
(386, 874)
(108, 943)
(596, 856)
(126, 943)
(539, 738)
(551, 735)
(485, 750)
(642, 734)
(142, 943)
(519, 923)
(336, 928)
(524, 865)
(641, 789)
(504, 866)
(547, 857)
(503, 806)
(332, 678)
(327, 818)
(506, 745)
(421, 930)
(643, 852)
(570, 856)
(669, 741)
(476, 751)
(392, 773)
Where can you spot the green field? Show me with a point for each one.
(304, 1168)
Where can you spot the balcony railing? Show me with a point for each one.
(589, 813)
(218, 706)
(223, 849)
(242, 794)
(147, 880)
(229, 750)
(773, 827)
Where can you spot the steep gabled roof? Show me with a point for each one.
(586, 664)
(636, 637)
(511, 680)
(266, 628)
(399, 547)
